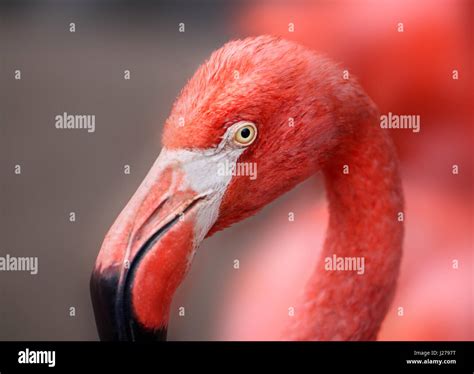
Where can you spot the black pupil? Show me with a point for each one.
(245, 133)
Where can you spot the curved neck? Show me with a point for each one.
(353, 284)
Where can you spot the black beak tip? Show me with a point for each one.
(142, 334)
(103, 289)
(114, 320)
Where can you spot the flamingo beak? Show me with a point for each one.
(146, 255)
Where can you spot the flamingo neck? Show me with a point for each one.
(353, 284)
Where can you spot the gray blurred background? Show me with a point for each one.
(81, 172)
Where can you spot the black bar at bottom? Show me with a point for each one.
(324, 357)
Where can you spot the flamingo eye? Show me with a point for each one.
(245, 134)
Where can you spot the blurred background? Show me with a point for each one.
(409, 72)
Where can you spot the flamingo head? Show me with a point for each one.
(256, 119)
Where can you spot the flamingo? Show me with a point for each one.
(272, 103)
(342, 31)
